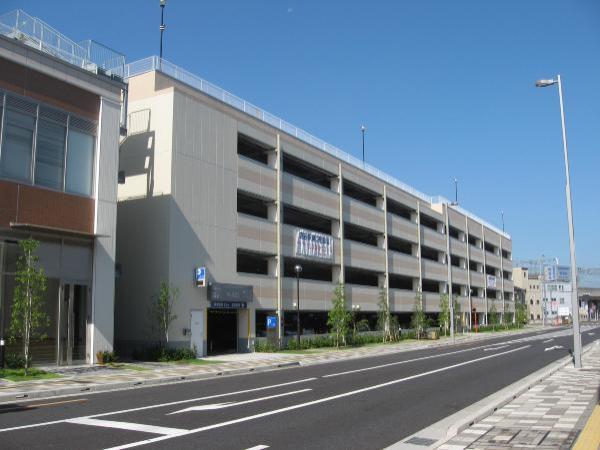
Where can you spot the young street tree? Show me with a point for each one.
(521, 314)
(457, 314)
(162, 311)
(444, 315)
(338, 318)
(418, 320)
(384, 316)
(27, 316)
(494, 316)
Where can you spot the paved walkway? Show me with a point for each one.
(548, 416)
(78, 379)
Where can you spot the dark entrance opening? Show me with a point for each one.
(222, 331)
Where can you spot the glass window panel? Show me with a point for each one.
(17, 145)
(80, 162)
(50, 154)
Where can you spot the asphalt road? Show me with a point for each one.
(366, 403)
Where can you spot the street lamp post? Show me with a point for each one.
(502, 214)
(455, 192)
(163, 3)
(574, 298)
(298, 269)
(363, 129)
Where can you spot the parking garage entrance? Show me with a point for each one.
(222, 328)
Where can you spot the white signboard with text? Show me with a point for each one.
(491, 281)
(313, 245)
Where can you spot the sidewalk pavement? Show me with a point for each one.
(78, 379)
(548, 416)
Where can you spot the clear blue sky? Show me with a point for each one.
(445, 88)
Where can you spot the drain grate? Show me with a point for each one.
(425, 442)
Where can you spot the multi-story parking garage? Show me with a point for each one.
(212, 181)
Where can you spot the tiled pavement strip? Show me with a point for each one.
(548, 416)
(97, 378)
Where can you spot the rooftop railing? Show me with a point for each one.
(153, 63)
(88, 55)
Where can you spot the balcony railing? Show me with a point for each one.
(89, 55)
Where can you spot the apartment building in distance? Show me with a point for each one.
(531, 284)
(59, 141)
(218, 190)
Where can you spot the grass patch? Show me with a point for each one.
(127, 366)
(197, 362)
(19, 374)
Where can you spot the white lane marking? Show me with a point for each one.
(554, 347)
(403, 362)
(258, 447)
(229, 404)
(129, 426)
(491, 349)
(160, 405)
(316, 402)
(548, 340)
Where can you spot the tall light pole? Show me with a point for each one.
(298, 269)
(574, 298)
(363, 129)
(163, 3)
(502, 214)
(455, 192)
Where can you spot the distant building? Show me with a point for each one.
(533, 292)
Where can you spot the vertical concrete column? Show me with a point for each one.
(336, 228)
(341, 278)
(449, 264)
(502, 281)
(484, 274)
(420, 260)
(386, 285)
(279, 266)
(469, 288)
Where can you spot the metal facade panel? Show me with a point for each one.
(256, 234)
(361, 214)
(256, 178)
(458, 248)
(402, 228)
(401, 264)
(306, 195)
(433, 239)
(434, 271)
(363, 256)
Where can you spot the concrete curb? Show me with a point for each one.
(99, 388)
(135, 384)
(447, 428)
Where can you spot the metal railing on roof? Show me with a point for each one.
(32, 31)
(153, 63)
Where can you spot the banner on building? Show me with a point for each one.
(313, 245)
(491, 281)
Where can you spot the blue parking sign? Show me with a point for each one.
(200, 276)
(271, 322)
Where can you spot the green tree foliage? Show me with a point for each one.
(338, 318)
(162, 311)
(384, 316)
(457, 314)
(521, 312)
(28, 317)
(493, 316)
(418, 320)
(444, 315)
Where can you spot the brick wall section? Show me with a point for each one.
(25, 204)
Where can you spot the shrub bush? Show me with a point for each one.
(15, 361)
(162, 354)
(106, 357)
(264, 347)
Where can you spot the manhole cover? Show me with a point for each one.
(425, 442)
